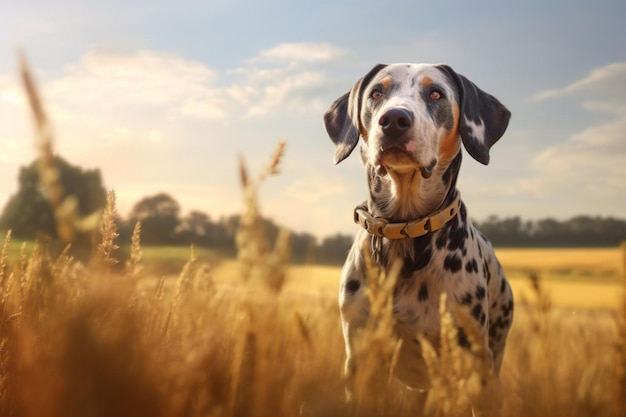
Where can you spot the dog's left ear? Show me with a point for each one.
(342, 118)
(482, 119)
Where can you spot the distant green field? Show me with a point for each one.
(165, 258)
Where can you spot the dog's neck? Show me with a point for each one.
(407, 196)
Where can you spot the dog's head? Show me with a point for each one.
(413, 117)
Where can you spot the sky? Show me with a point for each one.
(164, 96)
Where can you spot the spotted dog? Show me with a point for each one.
(410, 120)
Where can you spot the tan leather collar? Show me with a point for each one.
(381, 227)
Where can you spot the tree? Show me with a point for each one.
(303, 247)
(510, 231)
(334, 249)
(198, 229)
(28, 211)
(159, 217)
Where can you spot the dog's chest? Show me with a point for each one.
(422, 280)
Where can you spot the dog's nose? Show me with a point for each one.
(396, 121)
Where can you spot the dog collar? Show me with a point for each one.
(381, 227)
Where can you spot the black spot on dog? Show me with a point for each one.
(424, 258)
(442, 238)
(493, 333)
(457, 238)
(507, 309)
(483, 319)
(467, 299)
(452, 263)
(422, 294)
(486, 271)
(496, 326)
(462, 338)
(502, 286)
(480, 292)
(352, 286)
(471, 266)
(463, 214)
(423, 254)
(477, 311)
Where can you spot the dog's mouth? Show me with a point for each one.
(401, 161)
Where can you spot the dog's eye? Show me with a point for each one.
(435, 95)
(376, 94)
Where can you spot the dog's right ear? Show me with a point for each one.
(342, 118)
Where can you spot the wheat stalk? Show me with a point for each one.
(272, 167)
(4, 257)
(108, 232)
(184, 284)
(6, 279)
(23, 265)
(462, 378)
(133, 265)
(376, 347)
(65, 209)
(256, 262)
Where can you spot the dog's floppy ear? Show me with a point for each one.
(342, 118)
(482, 119)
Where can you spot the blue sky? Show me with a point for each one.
(164, 96)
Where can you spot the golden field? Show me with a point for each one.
(218, 340)
(573, 277)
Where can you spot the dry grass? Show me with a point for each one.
(87, 340)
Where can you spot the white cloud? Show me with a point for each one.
(593, 161)
(299, 52)
(287, 78)
(292, 93)
(609, 80)
(105, 81)
(115, 99)
(313, 189)
(608, 106)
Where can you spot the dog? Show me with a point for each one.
(410, 120)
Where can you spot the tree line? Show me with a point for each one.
(578, 231)
(27, 214)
